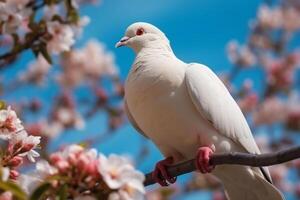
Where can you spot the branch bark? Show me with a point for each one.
(235, 158)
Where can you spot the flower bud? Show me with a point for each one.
(15, 161)
(62, 165)
(26, 148)
(13, 174)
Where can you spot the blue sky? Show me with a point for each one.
(198, 29)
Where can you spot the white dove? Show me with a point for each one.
(187, 111)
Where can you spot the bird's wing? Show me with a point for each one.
(132, 121)
(214, 102)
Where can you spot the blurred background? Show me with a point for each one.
(253, 46)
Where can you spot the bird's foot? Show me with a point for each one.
(160, 174)
(202, 160)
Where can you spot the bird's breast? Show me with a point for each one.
(158, 100)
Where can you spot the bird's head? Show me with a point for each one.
(141, 34)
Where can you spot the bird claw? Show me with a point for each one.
(202, 160)
(160, 174)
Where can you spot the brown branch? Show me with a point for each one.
(233, 158)
(22, 47)
(35, 5)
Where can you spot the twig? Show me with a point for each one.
(22, 47)
(233, 158)
(38, 5)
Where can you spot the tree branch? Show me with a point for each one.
(22, 47)
(233, 158)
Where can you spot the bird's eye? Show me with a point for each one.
(140, 31)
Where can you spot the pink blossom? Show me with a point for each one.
(50, 11)
(270, 17)
(247, 85)
(88, 162)
(279, 175)
(68, 116)
(37, 71)
(13, 174)
(85, 197)
(293, 120)
(30, 181)
(15, 161)
(65, 115)
(12, 14)
(118, 173)
(262, 142)
(280, 74)
(9, 123)
(272, 110)
(297, 190)
(6, 196)
(218, 195)
(293, 112)
(51, 129)
(75, 155)
(87, 64)
(291, 19)
(240, 55)
(262, 41)
(248, 102)
(78, 27)
(25, 145)
(91, 172)
(19, 4)
(62, 37)
(154, 195)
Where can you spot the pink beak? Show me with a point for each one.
(122, 42)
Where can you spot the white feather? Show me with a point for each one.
(212, 99)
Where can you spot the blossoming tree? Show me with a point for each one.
(49, 28)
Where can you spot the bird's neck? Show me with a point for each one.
(155, 48)
(152, 58)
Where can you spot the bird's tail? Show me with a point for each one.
(245, 183)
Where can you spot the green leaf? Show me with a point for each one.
(57, 178)
(36, 50)
(44, 52)
(14, 189)
(42, 26)
(40, 191)
(62, 193)
(48, 2)
(68, 4)
(16, 39)
(29, 36)
(31, 18)
(83, 144)
(73, 16)
(57, 18)
(32, 25)
(2, 105)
